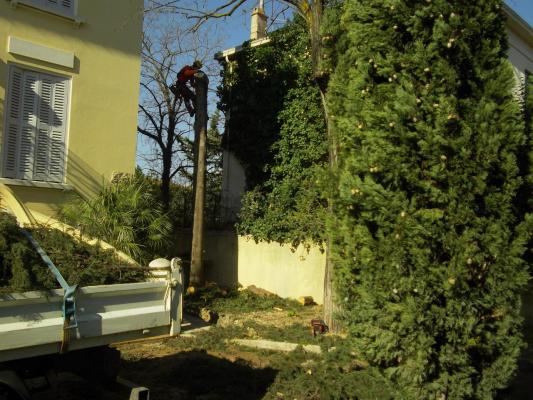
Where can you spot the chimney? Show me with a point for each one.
(259, 22)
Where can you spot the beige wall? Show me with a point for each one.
(101, 136)
(520, 53)
(232, 259)
(233, 186)
(277, 268)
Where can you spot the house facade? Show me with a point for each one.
(520, 46)
(69, 88)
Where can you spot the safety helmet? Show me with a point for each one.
(197, 64)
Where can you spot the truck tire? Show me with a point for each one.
(8, 394)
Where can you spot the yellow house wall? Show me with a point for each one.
(101, 135)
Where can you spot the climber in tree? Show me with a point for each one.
(181, 89)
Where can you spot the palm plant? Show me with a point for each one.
(126, 214)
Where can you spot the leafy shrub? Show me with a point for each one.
(127, 215)
(21, 267)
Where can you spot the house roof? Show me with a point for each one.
(518, 25)
(221, 55)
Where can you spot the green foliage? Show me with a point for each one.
(22, 269)
(337, 376)
(251, 96)
(232, 300)
(213, 178)
(181, 207)
(127, 215)
(280, 138)
(427, 244)
(527, 157)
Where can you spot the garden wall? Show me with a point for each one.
(232, 259)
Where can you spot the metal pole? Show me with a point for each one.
(197, 277)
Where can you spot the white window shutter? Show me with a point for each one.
(35, 134)
(43, 129)
(28, 125)
(36, 3)
(52, 5)
(68, 5)
(50, 150)
(65, 6)
(13, 125)
(58, 130)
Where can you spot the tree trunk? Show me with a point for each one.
(197, 277)
(330, 301)
(315, 21)
(165, 180)
(321, 78)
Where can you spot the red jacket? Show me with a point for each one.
(186, 73)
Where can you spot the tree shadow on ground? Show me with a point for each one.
(521, 387)
(196, 375)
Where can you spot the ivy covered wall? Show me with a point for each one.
(275, 127)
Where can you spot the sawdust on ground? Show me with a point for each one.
(277, 317)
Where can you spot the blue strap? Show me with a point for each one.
(69, 299)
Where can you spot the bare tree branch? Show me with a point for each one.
(302, 7)
(216, 13)
(164, 123)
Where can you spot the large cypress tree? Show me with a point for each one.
(427, 243)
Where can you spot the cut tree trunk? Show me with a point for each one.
(314, 21)
(197, 277)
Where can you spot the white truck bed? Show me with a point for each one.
(31, 323)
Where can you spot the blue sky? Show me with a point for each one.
(237, 27)
(524, 8)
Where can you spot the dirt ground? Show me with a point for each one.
(206, 366)
(203, 364)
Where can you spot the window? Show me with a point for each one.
(60, 7)
(35, 131)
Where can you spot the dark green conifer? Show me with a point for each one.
(427, 243)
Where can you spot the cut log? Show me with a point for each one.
(306, 300)
(260, 292)
(276, 346)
